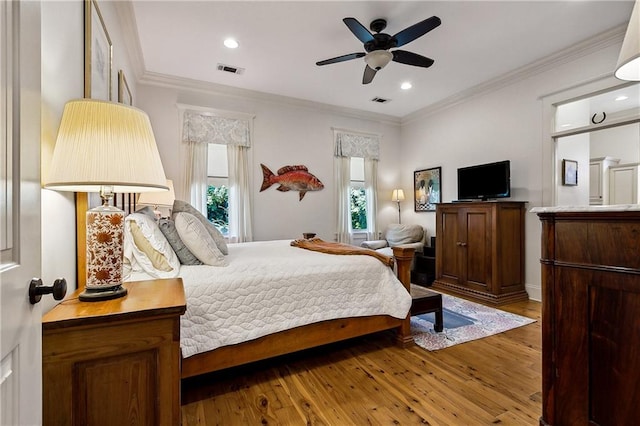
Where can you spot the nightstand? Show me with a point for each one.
(114, 362)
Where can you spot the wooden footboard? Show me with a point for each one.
(308, 336)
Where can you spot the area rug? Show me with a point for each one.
(464, 321)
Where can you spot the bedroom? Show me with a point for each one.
(284, 125)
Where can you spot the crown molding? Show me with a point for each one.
(125, 12)
(164, 80)
(569, 54)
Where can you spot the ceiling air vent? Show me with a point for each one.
(231, 69)
(380, 100)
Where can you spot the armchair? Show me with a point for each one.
(399, 235)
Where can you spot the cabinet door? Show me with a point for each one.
(623, 182)
(475, 248)
(448, 246)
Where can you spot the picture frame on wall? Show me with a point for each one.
(98, 54)
(124, 93)
(427, 189)
(569, 172)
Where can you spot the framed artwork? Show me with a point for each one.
(124, 93)
(427, 189)
(569, 172)
(98, 54)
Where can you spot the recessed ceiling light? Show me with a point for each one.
(231, 43)
(622, 98)
(406, 85)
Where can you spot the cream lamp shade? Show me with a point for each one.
(105, 147)
(103, 143)
(163, 199)
(397, 195)
(159, 199)
(628, 66)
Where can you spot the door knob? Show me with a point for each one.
(36, 289)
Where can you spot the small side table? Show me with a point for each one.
(425, 301)
(117, 361)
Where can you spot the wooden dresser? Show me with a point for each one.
(114, 362)
(480, 250)
(590, 316)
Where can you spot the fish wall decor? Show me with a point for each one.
(291, 178)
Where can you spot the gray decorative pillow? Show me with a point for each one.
(168, 229)
(194, 235)
(148, 211)
(184, 207)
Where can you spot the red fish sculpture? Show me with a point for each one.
(291, 178)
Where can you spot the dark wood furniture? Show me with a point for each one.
(425, 301)
(480, 251)
(114, 362)
(424, 269)
(308, 336)
(590, 318)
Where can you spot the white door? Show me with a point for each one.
(20, 322)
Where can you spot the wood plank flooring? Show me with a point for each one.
(370, 381)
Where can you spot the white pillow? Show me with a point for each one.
(198, 240)
(147, 247)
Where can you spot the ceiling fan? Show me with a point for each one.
(377, 45)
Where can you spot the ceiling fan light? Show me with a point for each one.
(378, 59)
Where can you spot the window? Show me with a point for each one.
(357, 195)
(218, 187)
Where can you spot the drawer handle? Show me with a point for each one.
(461, 244)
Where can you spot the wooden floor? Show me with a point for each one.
(369, 381)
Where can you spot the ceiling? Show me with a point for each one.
(280, 42)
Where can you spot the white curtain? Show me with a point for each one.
(371, 191)
(195, 178)
(240, 228)
(353, 144)
(342, 175)
(204, 127)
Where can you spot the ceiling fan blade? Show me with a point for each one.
(410, 58)
(358, 29)
(369, 73)
(417, 30)
(341, 58)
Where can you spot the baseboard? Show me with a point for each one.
(534, 292)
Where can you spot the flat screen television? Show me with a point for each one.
(485, 181)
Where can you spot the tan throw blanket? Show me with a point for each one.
(316, 244)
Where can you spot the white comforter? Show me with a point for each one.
(270, 286)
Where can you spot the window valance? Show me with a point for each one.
(357, 145)
(203, 127)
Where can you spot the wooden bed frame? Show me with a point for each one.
(284, 342)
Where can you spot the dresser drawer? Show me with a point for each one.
(598, 243)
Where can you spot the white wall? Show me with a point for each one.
(504, 124)
(284, 134)
(618, 142)
(575, 148)
(62, 29)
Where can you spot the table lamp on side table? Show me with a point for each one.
(159, 199)
(105, 147)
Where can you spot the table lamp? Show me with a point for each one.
(159, 199)
(397, 195)
(105, 147)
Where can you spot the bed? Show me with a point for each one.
(271, 298)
